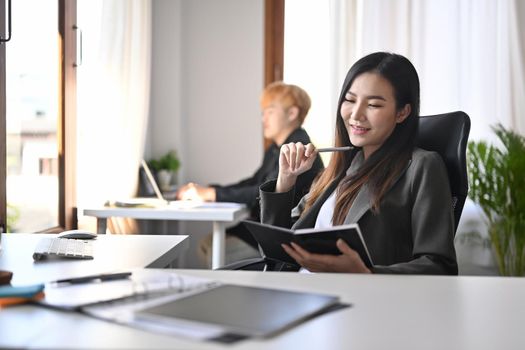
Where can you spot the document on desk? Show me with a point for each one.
(75, 296)
(153, 202)
(191, 307)
(180, 204)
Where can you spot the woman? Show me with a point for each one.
(398, 194)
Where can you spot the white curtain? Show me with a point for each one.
(468, 53)
(113, 98)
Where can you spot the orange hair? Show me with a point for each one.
(288, 96)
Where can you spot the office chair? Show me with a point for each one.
(447, 134)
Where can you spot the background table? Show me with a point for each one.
(110, 252)
(220, 216)
(387, 312)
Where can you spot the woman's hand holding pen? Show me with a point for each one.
(348, 261)
(294, 159)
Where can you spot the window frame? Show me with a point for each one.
(273, 40)
(3, 136)
(66, 129)
(273, 45)
(67, 207)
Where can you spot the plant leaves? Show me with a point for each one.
(497, 184)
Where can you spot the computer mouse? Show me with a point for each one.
(77, 234)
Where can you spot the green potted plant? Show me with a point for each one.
(497, 184)
(165, 168)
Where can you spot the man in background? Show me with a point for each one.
(284, 109)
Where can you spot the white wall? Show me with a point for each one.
(207, 74)
(165, 119)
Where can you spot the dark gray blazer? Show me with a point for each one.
(413, 231)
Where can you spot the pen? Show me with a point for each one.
(101, 277)
(335, 149)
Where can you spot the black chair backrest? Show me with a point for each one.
(447, 134)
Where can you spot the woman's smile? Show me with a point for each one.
(359, 130)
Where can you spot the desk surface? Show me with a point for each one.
(209, 212)
(111, 252)
(219, 213)
(388, 312)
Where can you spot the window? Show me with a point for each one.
(307, 64)
(38, 111)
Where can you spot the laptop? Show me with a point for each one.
(160, 201)
(151, 202)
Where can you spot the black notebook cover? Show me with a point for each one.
(320, 241)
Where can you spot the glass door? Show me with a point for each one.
(32, 116)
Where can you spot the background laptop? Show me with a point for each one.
(157, 201)
(160, 201)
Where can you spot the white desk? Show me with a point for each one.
(388, 312)
(110, 252)
(220, 216)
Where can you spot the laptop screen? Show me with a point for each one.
(151, 180)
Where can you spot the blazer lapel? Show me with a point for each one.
(360, 206)
(363, 200)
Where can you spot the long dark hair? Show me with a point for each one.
(383, 167)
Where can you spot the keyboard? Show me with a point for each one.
(53, 247)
